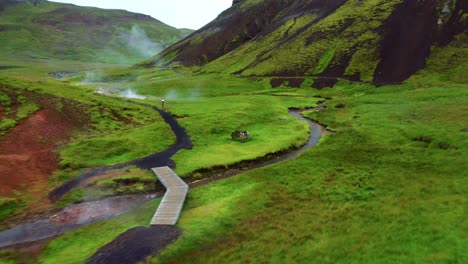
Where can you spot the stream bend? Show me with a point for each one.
(159, 159)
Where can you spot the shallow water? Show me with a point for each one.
(70, 218)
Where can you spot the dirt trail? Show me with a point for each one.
(141, 243)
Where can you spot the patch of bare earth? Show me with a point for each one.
(28, 154)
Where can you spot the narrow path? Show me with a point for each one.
(159, 159)
(171, 205)
(140, 242)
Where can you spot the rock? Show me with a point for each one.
(241, 136)
(340, 106)
(234, 2)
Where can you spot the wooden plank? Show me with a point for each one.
(173, 200)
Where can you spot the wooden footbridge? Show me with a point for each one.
(173, 200)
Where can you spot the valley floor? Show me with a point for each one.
(387, 186)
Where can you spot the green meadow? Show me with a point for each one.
(388, 186)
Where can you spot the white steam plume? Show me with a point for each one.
(137, 40)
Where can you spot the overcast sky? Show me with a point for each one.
(191, 14)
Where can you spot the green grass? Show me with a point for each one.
(368, 193)
(213, 106)
(130, 180)
(210, 123)
(91, 237)
(8, 206)
(15, 107)
(325, 61)
(372, 191)
(118, 147)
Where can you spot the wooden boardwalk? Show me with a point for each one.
(171, 205)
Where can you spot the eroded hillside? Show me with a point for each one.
(373, 40)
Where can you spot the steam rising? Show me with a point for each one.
(191, 94)
(130, 93)
(137, 40)
(91, 77)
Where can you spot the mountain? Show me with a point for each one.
(379, 41)
(38, 29)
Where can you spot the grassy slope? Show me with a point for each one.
(67, 32)
(115, 130)
(264, 56)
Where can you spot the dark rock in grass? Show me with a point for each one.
(423, 139)
(465, 129)
(135, 245)
(171, 164)
(275, 82)
(8, 67)
(340, 106)
(241, 136)
(445, 146)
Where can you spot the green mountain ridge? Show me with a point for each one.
(373, 41)
(47, 30)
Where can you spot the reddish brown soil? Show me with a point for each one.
(27, 154)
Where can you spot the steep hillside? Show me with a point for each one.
(45, 30)
(369, 40)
